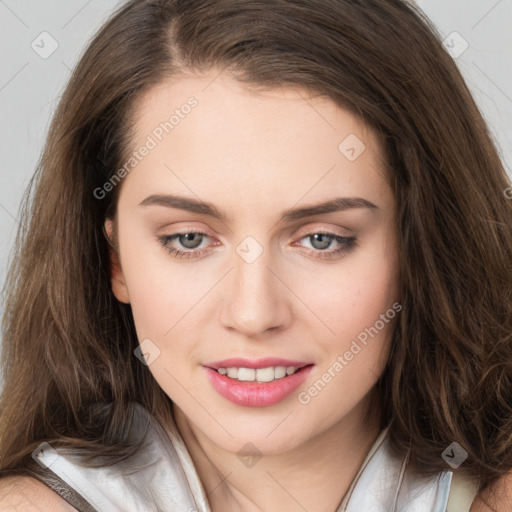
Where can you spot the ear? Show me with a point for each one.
(117, 280)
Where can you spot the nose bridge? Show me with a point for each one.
(254, 300)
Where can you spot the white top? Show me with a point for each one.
(163, 479)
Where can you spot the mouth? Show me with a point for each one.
(257, 383)
(268, 374)
(261, 370)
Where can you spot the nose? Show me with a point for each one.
(255, 299)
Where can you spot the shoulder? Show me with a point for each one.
(27, 494)
(497, 497)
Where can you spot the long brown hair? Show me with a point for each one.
(68, 344)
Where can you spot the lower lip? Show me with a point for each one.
(256, 394)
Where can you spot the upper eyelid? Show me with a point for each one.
(318, 228)
(304, 234)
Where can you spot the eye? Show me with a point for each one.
(321, 240)
(190, 240)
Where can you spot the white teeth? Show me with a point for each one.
(246, 374)
(233, 373)
(261, 374)
(280, 372)
(265, 374)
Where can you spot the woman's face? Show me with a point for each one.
(295, 265)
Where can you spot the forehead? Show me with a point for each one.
(212, 133)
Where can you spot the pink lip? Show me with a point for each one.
(266, 362)
(256, 394)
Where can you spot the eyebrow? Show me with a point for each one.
(193, 205)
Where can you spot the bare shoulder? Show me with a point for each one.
(26, 494)
(495, 498)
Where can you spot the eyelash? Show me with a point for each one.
(348, 245)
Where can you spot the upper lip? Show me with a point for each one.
(266, 362)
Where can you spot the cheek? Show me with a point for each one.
(363, 318)
(165, 302)
(351, 297)
(163, 292)
(361, 307)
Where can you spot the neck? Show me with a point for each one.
(313, 476)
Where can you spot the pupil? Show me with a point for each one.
(319, 237)
(189, 240)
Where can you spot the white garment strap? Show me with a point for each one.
(384, 484)
(162, 478)
(152, 481)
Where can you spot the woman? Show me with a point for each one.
(267, 266)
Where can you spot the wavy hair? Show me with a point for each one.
(68, 344)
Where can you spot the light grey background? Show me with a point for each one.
(31, 80)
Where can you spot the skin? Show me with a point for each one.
(254, 154)
(497, 497)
